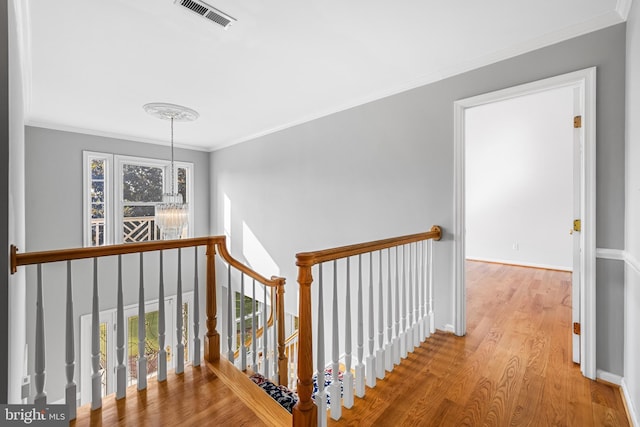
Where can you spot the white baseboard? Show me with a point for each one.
(520, 263)
(449, 328)
(609, 377)
(633, 414)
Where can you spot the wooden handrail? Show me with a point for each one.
(305, 412)
(308, 259)
(214, 244)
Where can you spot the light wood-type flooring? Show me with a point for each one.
(513, 368)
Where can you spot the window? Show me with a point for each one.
(121, 193)
(108, 350)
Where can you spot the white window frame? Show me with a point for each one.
(110, 318)
(113, 191)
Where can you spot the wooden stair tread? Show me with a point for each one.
(250, 394)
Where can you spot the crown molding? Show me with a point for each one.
(105, 134)
(622, 8)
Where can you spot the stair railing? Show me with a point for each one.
(214, 245)
(399, 271)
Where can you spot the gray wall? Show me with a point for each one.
(4, 196)
(386, 168)
(54, 221)
(632, 244)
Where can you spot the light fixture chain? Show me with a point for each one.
(172, 168)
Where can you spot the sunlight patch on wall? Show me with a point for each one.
(227, 220)
(256, 255)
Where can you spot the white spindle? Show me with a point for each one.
(321, 400)
(388, 354)
(396, 339)
(432, 320)
(416, 298)
(121, 370)
(243, 332)
(254, 338)
(403, 326)
(142, 333)
(360, 343)
(424, 307)
(96, 374)
(274, 330)
(41, 396)
(410, 317)
(348, 376)
(230, 322)
(380, 351)
(371, 359)
(179, 319)
(265, 335)
(196, 312)
(334, 391)
(70, 390)
(162, 354)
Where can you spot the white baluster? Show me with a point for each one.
(416, 299)
(425, 292)
(254, 338)
(348, 375)
(121, 370)
(96, 371)
(360, 344)
(380, 351)
(162, 354)
(371, 358)
(41, 395)
(230, 322)
(142, 333)
(432, 320)
(388, 354)
(396, 339)
(321, 400)
(265, 335)
(196, 312)
(179, 319)
(410, 317)
(334, 390)
(274, 329)
(243, 332)
(70, 390)
(403, 326)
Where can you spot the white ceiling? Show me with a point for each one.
(90, 65)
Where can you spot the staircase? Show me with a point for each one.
(380, 296)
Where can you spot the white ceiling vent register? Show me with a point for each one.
(207, 11)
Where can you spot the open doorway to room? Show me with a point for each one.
(524, 172)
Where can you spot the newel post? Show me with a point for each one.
(283, 362)
(305, 413)
(212, 338)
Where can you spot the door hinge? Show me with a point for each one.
(577, 122)
(577, 225)
(576, 328)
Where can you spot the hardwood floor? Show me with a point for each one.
(513, 368)
(202, 396)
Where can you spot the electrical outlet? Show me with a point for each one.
(26, 387)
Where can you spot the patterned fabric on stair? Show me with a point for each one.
(328, 379)
(281, 394)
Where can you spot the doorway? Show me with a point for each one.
(582, 84)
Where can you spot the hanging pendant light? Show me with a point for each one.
(172, 215)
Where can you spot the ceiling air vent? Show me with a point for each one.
(207, 11)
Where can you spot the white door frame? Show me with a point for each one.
(585, 80)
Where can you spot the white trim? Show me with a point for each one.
(521, 263)
(586, 81)
(108, 134)
(609, 377)
(615, 254)
(632, 262)
(449, 328)
(623, 7)
(633, 413)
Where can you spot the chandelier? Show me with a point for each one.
(172, 214)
